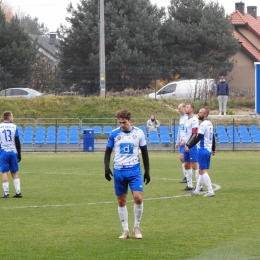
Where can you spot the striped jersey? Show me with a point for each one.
(126, 146)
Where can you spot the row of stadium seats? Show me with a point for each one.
(28, 130)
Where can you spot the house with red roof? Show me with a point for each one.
(247, 30)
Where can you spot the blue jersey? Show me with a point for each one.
(126, 146)
(8, 132)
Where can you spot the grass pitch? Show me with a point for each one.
(69, 211)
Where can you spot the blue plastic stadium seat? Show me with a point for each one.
(40, 128)
(50, 139)
(165, 139)
(244, 132)
(28, 139)
(174, 129)
(256, 138)
(62, 133)
(73, 139)
(62, 139)
(253, 127)
(164, 128)
(154, 139)
(153, 132)
(220, 127)
(164, 132)
(20, 130)
(51, 129)
(97, 130)
(63, 128)
(39, 139)
(246, 139)
(74, 128)
(29, 128)
(255, 133)
(28, 134)
(234, 139)
(107, 130)
(223, 138)
(242, 128)
(221, 132)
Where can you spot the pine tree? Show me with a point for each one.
(132, 44)
(17, 53)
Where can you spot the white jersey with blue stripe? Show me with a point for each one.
(182, 128)
(126, 146)
(8, 132)
(206, 130)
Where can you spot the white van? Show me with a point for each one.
(184, 89)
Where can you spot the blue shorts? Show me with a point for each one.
(9, 161)
(182, 149)
(128, 176)
(204, 158)
(192, 155)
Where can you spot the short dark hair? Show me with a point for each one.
(6, 114)
(123, 114)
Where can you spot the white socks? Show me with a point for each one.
(207, 181)
(189, 177)
(183, 169)
(138, 211)
(6, 188)
(123, 216)
(17, 185)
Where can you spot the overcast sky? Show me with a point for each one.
(53, 12)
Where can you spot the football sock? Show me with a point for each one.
(189, 177)
(138, 211)
(197, 174)
(123, 216)
(199, 183)
(207, 181)
(183, 169)
(6, 187)
(17, 185)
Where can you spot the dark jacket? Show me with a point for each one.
(222, 89)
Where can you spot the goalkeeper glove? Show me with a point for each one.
(147, 178)
(108, 174)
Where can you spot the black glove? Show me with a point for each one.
(146, 178)
(19, 157)
(108, 174)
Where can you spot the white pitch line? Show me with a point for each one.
(216, 187)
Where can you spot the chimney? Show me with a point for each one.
(52, 38)
(240, 7)
(252, 10)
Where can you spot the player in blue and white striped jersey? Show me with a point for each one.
(10, 154)
(126, 141)
(206, 147)
(180, 142)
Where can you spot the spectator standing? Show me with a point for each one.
(153, 124)
(126, 141)
(10, 154)
(222, 94)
